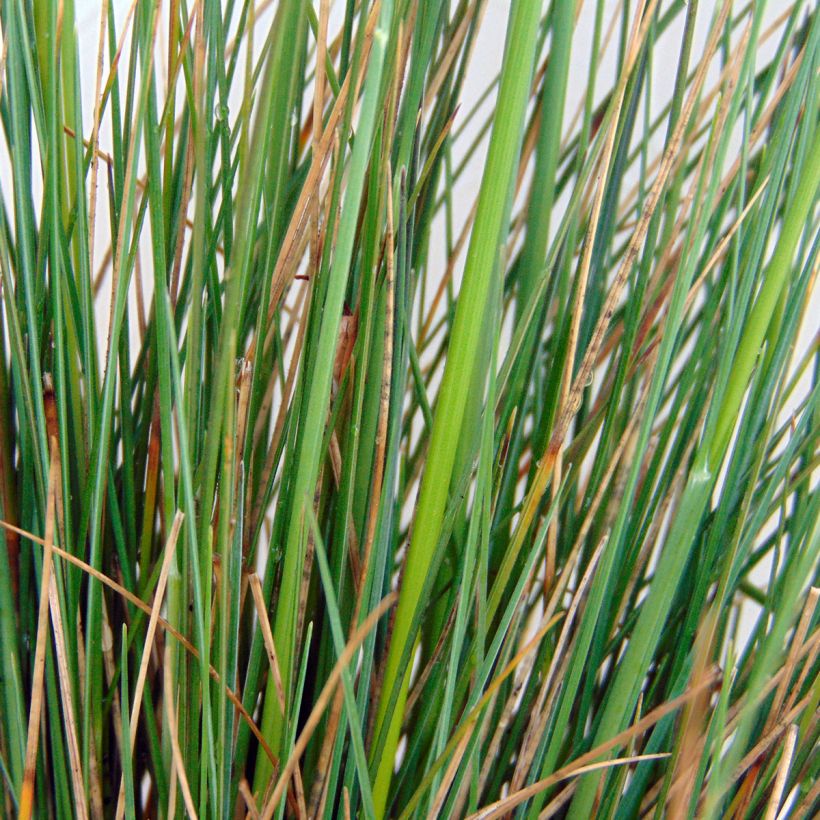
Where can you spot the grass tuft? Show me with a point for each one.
(409, 409)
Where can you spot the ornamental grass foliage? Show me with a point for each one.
(409, 408)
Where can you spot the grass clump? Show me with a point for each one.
(328, 489)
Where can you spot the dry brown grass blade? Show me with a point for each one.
(777, 707)
(3, 54)
(318, 114)
(299, 793)
(250, 801)
(798, 641)
(110, 667)
(559, 801)
(93, 141)
(323, 699)
(802, 809)
(242, 404)
(60, 647)
(583, 272)
(449, 774)
(663, 279)
(123, 225)
(782, 773)
(513, 701)
(766, 742)
(761, 125)
(582, 378)
(612, 27)
(452, 51)
(810, 649)
(318, 792)
(810, 646)
(267, 636)
(470, 721)
(296, 314)
(174, 633)
(807, 666)
(95, 131)
(281, 416)
(67, 695)
(176, 752)
(620, 739)
(434, 660)
(384, 396)
(503, 806)
(95, 782)
(151, 631)
(663, 287)
(287, 259)
(694, 724)
(540, 711)
(26, 805)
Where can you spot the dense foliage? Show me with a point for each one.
(326, 494)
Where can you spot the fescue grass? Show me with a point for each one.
(327, 492)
